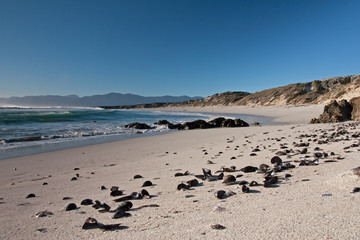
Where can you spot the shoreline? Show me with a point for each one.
(248, 114)
(313, 202)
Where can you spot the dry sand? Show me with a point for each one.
(321, 207)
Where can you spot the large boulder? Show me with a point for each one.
(138, 125)
(355, 103)
(240, 123)
(197, 124)
(335, 112)
(177, 126)
(222, 122)
(217, 122)
(162, 122)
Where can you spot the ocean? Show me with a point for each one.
(25, 131)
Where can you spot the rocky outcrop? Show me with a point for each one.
(137, 125)
(335, 112)
(202, 124)
(197, 124)
(355, 103)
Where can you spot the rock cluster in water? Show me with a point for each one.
(197, 124)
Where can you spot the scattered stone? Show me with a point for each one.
(116, 193)
(90, 223)
(120, 213)
(70, 207)
(87, 202)
(217, 226)
(31, 195)
(145, 193)
(245, 189)
(248, 169)
(220, 194)
(183, 186)
(147, 184)
(356, 171)
(228, 179)
(43, 214)
(126, 206)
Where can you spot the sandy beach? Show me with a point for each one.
(312, 201)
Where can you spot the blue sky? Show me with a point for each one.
(156, 47)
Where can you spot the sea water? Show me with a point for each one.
(26, 131)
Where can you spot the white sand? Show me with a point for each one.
(293, 209)
(281, 114)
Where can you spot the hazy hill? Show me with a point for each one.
(90, 101)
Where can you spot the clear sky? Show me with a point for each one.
(173, 47)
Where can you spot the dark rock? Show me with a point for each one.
(116, 193)
(162, 122)
(217, 226)
(198, 124)
(220, 176)
(229, 179)
(253, 183)
(217, 122)
(276, 160)
(31, 195)
(145, 193)
(90, 223)
(70, 207)
(176, 126)
(87, 202)
(243, 182)
(183, 186)
(220, 194)
(248, 169)
(192, 183)
(147, 184)
(303, 151)
(121, 213)
(245, 189)
(137, 176)
(138, 125)
(124, 206)
(136, 195)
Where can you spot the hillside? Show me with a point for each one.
(318, 91)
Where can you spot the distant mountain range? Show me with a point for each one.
(90, 101)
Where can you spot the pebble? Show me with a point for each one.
(217, 226)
